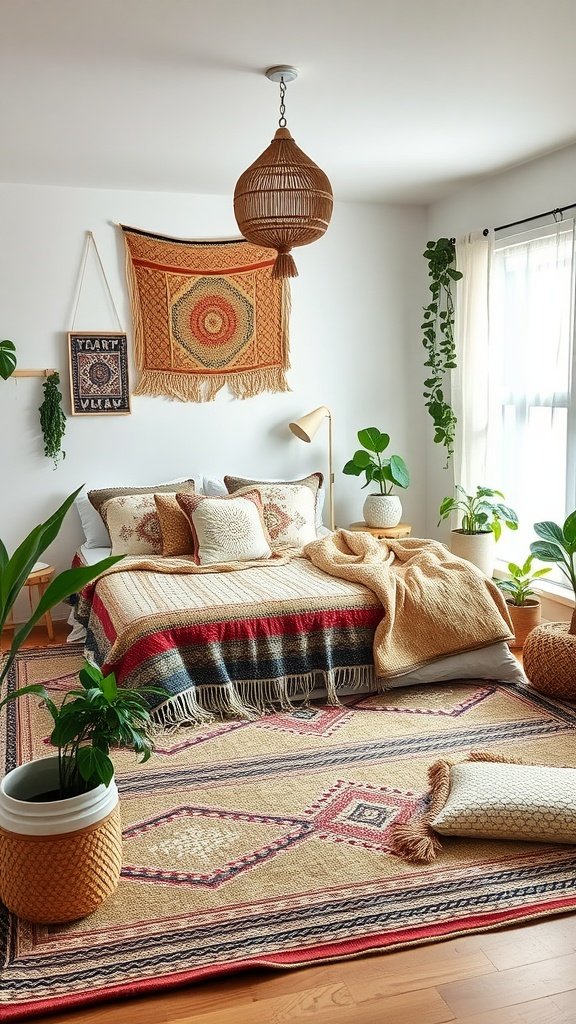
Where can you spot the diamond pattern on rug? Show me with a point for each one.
(169, 847)
(361, 814)
(307, 721)
(421, 700)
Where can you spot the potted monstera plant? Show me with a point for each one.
(382, 508)
(59, 820)
(481, 518)
(550, 649)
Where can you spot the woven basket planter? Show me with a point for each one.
(525, 618)
(550, 660)
(59, 859)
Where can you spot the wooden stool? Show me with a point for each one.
(39, 579)
(402, 530)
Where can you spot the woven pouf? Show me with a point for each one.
(550, 660)
(51, 879)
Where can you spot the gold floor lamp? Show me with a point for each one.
(305, 428)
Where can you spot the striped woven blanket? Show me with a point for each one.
(230, 643)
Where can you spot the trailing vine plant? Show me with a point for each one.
(52, 419)
(438, 339)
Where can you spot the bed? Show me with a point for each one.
(241, 643)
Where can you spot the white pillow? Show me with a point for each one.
(492, 662)
(94, 530)
(226, 529)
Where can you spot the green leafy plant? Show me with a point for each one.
(7, 358)
(52, 419)
(480, 513)
(90, 721)
(519, 586)
(14, 572)
(558, 545)
(387, 472)
(438, 339)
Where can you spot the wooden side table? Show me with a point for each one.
(38, 580)
(392, 532)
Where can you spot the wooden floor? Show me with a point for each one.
(522, 975)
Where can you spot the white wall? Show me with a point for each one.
(354, 319)
(524, 191)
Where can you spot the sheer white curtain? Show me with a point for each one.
(531, 443)
(470, 384)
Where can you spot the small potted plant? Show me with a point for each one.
(381, 508)
(523, 605)
(480, 526)
(59, 815)
(550, 649)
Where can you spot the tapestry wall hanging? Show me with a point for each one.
(206, 314)
(98, 373)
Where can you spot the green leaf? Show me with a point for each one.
(569, 532)
(548, 530)
(31, 688)
(94, 765)
(351, 469)
(7, 358)
(372, 439)
(399, 471)
(109, 687)
(362, 458)
(546, 551)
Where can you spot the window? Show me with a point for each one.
(532, 394)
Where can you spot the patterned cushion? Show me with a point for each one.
(133, 524)
(98, 497)
(226, 529)
(290, 507)
(175, 528)
(510, 801)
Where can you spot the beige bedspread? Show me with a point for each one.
(436, 604)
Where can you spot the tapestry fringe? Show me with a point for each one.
(250, 699)
(188, 387)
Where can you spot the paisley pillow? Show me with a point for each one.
(133, 524)
(289, 510)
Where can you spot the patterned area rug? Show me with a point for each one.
(266, 843)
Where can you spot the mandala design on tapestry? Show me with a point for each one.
(213, 321)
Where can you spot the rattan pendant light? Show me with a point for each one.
(283, 199)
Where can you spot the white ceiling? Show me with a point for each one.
(397, 100)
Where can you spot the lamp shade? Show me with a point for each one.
(283, 200)
(308, 425)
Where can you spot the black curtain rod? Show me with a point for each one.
(538, 216)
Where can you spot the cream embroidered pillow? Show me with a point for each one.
(133, 524)
(510, 801)
(313, 482)
(226, 529)
(289, 512)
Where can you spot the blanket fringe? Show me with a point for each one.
(252, 698)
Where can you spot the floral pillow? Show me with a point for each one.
(226, 529)
(289, 509)
(133, 524)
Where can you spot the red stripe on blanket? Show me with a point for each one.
(162, 641)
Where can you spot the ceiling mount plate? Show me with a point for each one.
(281, 71)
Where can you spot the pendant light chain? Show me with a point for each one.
(282, 121)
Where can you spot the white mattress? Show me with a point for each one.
(93, 555)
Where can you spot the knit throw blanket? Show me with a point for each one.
(206, 314)
(435, 603)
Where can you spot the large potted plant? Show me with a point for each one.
(550, 649)
(78, 781)
(523, 605)
(382, 508)
(59, 816)
(482, 516)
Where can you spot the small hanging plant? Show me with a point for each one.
(52, 419)
(438, 339)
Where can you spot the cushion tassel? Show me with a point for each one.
(416, 840)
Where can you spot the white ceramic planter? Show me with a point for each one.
(478, 548)
(382, 510)
(59, 859)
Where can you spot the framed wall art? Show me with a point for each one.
(99, 373)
